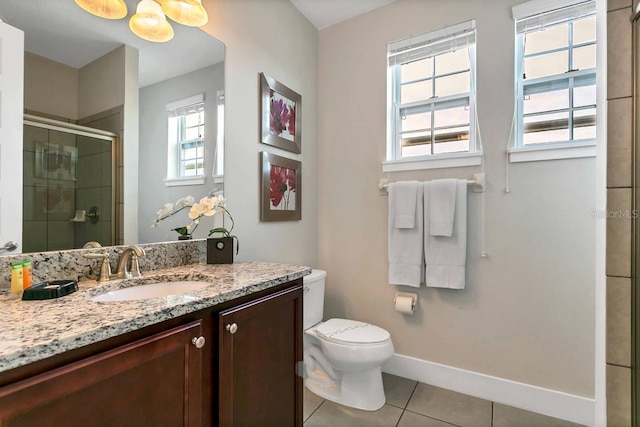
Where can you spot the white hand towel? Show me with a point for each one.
(443, 206)
(405, 201)
(405, 244)
(446, 257)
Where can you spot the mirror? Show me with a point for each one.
(82, 69)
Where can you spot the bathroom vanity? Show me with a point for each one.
(226, 355)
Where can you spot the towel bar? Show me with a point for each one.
(477, 182)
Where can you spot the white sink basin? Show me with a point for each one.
(153, 290)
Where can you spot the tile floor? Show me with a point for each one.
(413, 404)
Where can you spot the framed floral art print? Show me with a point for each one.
(281, 195)
(281, 112)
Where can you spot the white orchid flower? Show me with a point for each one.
(166, 210)
(184, 202)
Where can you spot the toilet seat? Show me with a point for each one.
(351, 332)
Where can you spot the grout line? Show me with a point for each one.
(432, 418)
(618, 366)
(409, 399)
(620, 97)
(492, 403)
(620, 8)
(314, 411)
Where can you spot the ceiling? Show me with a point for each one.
(59, 30)
(324, 13)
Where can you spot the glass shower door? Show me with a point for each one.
(68, 196)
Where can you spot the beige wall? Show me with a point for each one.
(50, 87)
(528, 311)
(102, 82)
(274, 38)
(619, 182)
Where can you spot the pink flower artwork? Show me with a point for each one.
(282, 116)
(282, 188)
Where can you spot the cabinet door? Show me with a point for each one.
(156, 381)
(260, 345)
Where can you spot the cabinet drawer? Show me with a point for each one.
(154, 381)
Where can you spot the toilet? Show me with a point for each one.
(342, 357)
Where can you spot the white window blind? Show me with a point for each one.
(432, 44)
(193, 104)
(431, 100)
(555, 72)
(526, 22)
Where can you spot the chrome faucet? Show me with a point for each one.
(130, 253)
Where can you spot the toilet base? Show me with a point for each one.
(360, 389)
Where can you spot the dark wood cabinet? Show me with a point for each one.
(259, 347)
(158, 375)
(154, 381)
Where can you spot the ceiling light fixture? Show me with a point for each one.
(186, 12)
(109, 9)
(149, 22)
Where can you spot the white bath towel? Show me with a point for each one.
(405, 244)
(446, 257)
(405, 199)
(443, 207)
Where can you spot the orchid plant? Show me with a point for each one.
(207, 206)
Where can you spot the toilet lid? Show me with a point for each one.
(351, 332)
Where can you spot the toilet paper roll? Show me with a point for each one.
(404, 305)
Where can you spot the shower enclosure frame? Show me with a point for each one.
(635, 225)
(116, 184)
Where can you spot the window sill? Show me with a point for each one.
(552, 152)
(437, 161)
(176, 182)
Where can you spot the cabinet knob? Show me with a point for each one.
(198, 342)
(233, 328)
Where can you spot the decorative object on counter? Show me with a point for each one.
(50, 290)
(16, 280)
(219, 249)
(281, 194)
(281, 115)
(27, 274)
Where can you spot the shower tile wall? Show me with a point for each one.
(48, 190)
(94, 190)
(619, 177)
(112, 120)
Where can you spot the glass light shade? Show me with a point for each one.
(110, 9)
(186, 12)
(149, 22)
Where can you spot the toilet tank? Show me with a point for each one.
(313, 298)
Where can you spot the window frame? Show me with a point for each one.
(177, 112)
(395, 160)
(182, 146)
(584, 147)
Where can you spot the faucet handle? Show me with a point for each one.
(105, 268)
(135, 266)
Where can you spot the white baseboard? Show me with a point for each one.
(553, 403)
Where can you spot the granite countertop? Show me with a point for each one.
(34, 330)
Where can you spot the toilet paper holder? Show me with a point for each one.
(414, 298)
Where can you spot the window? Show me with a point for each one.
(186, 138)
(432, 87)
(555, 74)
(218, 161)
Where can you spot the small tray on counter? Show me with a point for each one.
(50, 290)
